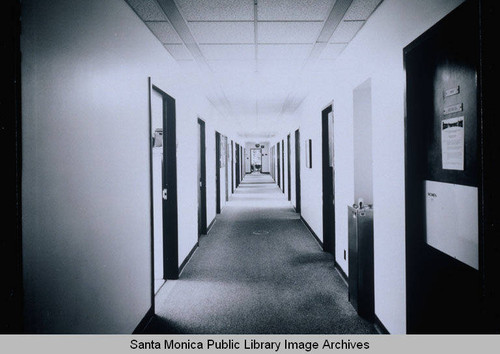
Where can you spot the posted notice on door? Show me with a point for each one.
(452, 143)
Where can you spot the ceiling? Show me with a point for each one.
(253, 55)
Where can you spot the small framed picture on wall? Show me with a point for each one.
(308, 150)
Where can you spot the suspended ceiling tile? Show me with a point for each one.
(179, 51)
(273, 67)
(148, 10)
(361, 9)
(164, 32)
(229, 67)
(228, 52)
(288, 32)
(332, 51)
(269, 107)
(284, 51)
(222, 32)
(346, 31)
(322, 66)
(216, 10)
(189, 65)
(293, 10)
(232, 66)
(245, 107)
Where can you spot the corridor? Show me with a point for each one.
(258, 159)
(258, 271)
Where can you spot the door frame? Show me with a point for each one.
(169, 182)
(328, 181)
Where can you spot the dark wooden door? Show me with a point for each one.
(217, 172)
(202, 181)
(238, 169)
(278, 163)
(11, 288)
(283, 165)
(297, 171)
(232, 166)
(328, 184)
(289, 170)
(169, 187)
(226, 167)
(443, 292)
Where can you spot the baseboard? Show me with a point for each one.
(141, 327)
(211, 224)
(312, 232)
(379, 326)
(342, 273)
(188, 257)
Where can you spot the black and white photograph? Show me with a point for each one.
(197, 170)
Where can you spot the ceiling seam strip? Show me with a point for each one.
(256, 40)
(335, 17)
(337, 13)
(179, 24)
(256, 35)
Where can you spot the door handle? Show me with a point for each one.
(164, 194)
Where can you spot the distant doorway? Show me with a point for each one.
(256, 160)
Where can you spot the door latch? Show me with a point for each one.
(164, 194)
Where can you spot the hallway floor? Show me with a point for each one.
(258, 271)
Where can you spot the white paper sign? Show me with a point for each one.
(452, 220)
(452, 143)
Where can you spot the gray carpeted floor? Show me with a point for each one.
(258, 271)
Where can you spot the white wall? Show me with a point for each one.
(210, 171)
(265, 157)
(223, 180)
(376, 54)
(362, 134)
(86, 142)
(248, 146)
